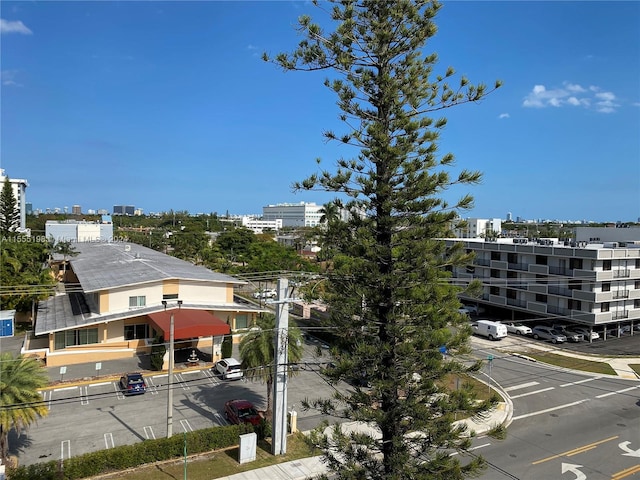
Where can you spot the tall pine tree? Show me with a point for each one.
(391, 300)
(9, 212)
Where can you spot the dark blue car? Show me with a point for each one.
(133, 384)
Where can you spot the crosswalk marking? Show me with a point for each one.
(624, 390)
(579, 382)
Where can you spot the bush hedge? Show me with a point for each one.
(129, 456)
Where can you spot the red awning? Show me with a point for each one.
(189, 324)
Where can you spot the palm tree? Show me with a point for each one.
(330, 213)
(20, 402)
(257, 352)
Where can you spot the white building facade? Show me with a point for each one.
(480, 228)
(294, 214)
(587, 283)
(19, 187)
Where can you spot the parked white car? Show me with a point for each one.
(228, 368)
(587, 334)
(518, 328)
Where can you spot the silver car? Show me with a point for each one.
(548, 333)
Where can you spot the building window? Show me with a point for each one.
(637, 262)
(136, 332)
(606, 265)
(606, 287)
(242, 320)
(139, 301)
(495, 255)
(170, 296)
(512, 257)
(495, 273)
(636, 303)
(574, 304)
(575, 263)
(541, 260)
(494, 291)
(541, 298)
(604, 307)
(70, 338)
(576, 285)
(511, 294)
(636, 285)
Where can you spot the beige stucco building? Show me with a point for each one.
(118, 298)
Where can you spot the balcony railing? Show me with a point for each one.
(621, 273)
(519, 266)
(560, 271)
(559, 291)
(620, 294)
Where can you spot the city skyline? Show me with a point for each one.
(169, 105)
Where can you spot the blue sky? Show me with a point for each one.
(168, 105)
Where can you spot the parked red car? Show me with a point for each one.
(241, 411)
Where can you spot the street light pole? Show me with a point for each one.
(170, 375)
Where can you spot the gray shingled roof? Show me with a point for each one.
(103, 265)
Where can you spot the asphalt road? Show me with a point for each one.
(566, 425)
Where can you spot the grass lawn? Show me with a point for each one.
(573, 363)
(217, 464)
(635, 368)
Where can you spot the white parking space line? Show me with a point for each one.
(180, 379)
(84, 395)
(108, 440)
(153, 389)
(99, 384)
(624, 390)
(65, 447)
(119, 394)
(211, 376)
(65, 388)
(189, 372)
(532, 393)
(46, 398)
(186, 426)
(522, 385)
(480, 446)
(221, 420)
(547, 410)
(148, 433)
(579, 382)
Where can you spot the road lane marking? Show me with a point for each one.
(189, 372)
(618, 391)
(46, 398)
(119, 394)
(575, 451)
(547, 410)
(65, 445)
(186, 426)
(579, 382)
(108, 440)
(65, 388)
(523, 385)
(148, 433)
(532, 393)
(626, 472)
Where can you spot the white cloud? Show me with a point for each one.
(9, 78)
(15, 26)
(503, 115)
(571, 94)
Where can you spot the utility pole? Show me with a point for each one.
(170, 375)
(279, 420)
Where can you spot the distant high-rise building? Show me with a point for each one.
(29, 208)
(508, 216)
(76, 210)
(19, 187)
(294, 214)
(124, 209)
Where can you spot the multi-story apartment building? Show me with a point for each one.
(119, 297)
(294, 214)
(79, 231)
(19, 187)
(480, 227)
(595, 283)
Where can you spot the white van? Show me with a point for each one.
(491, 330)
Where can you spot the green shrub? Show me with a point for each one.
(157, 354)
(227, 346)
(129, 456)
